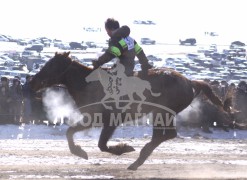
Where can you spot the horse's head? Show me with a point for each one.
(52, 72)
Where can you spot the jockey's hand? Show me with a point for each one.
(146, 67)
(95, 64)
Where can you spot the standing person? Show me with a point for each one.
(240, 100)
(4, 101)
(124, 47)
(223, 89)
(28, 96)
(16, 102)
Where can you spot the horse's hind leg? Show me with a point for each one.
(156, 140)
(105, 135)
(75, 149)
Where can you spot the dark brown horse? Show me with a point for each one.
(170, 93)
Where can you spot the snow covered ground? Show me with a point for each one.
(41, 152)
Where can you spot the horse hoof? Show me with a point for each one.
(132, 167)
(129, 148)
(120, 149)
(83, 155)
(78, 151)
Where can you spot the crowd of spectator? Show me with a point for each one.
(234, 96)
(18, 103)
(204, 114)
(237, 95)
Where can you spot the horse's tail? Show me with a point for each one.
(207, 90)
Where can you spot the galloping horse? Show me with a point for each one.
(176, 92)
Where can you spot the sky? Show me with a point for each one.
(65, 17)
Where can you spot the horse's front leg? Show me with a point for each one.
(105, 135)
(75, 149)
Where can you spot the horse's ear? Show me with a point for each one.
(67, 54)
(56, 53)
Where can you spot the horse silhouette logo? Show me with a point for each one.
(117, 84)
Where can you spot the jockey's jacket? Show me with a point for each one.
(125, 48)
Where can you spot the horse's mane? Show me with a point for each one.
(161, 70)
(82, 65)
(65, 55)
